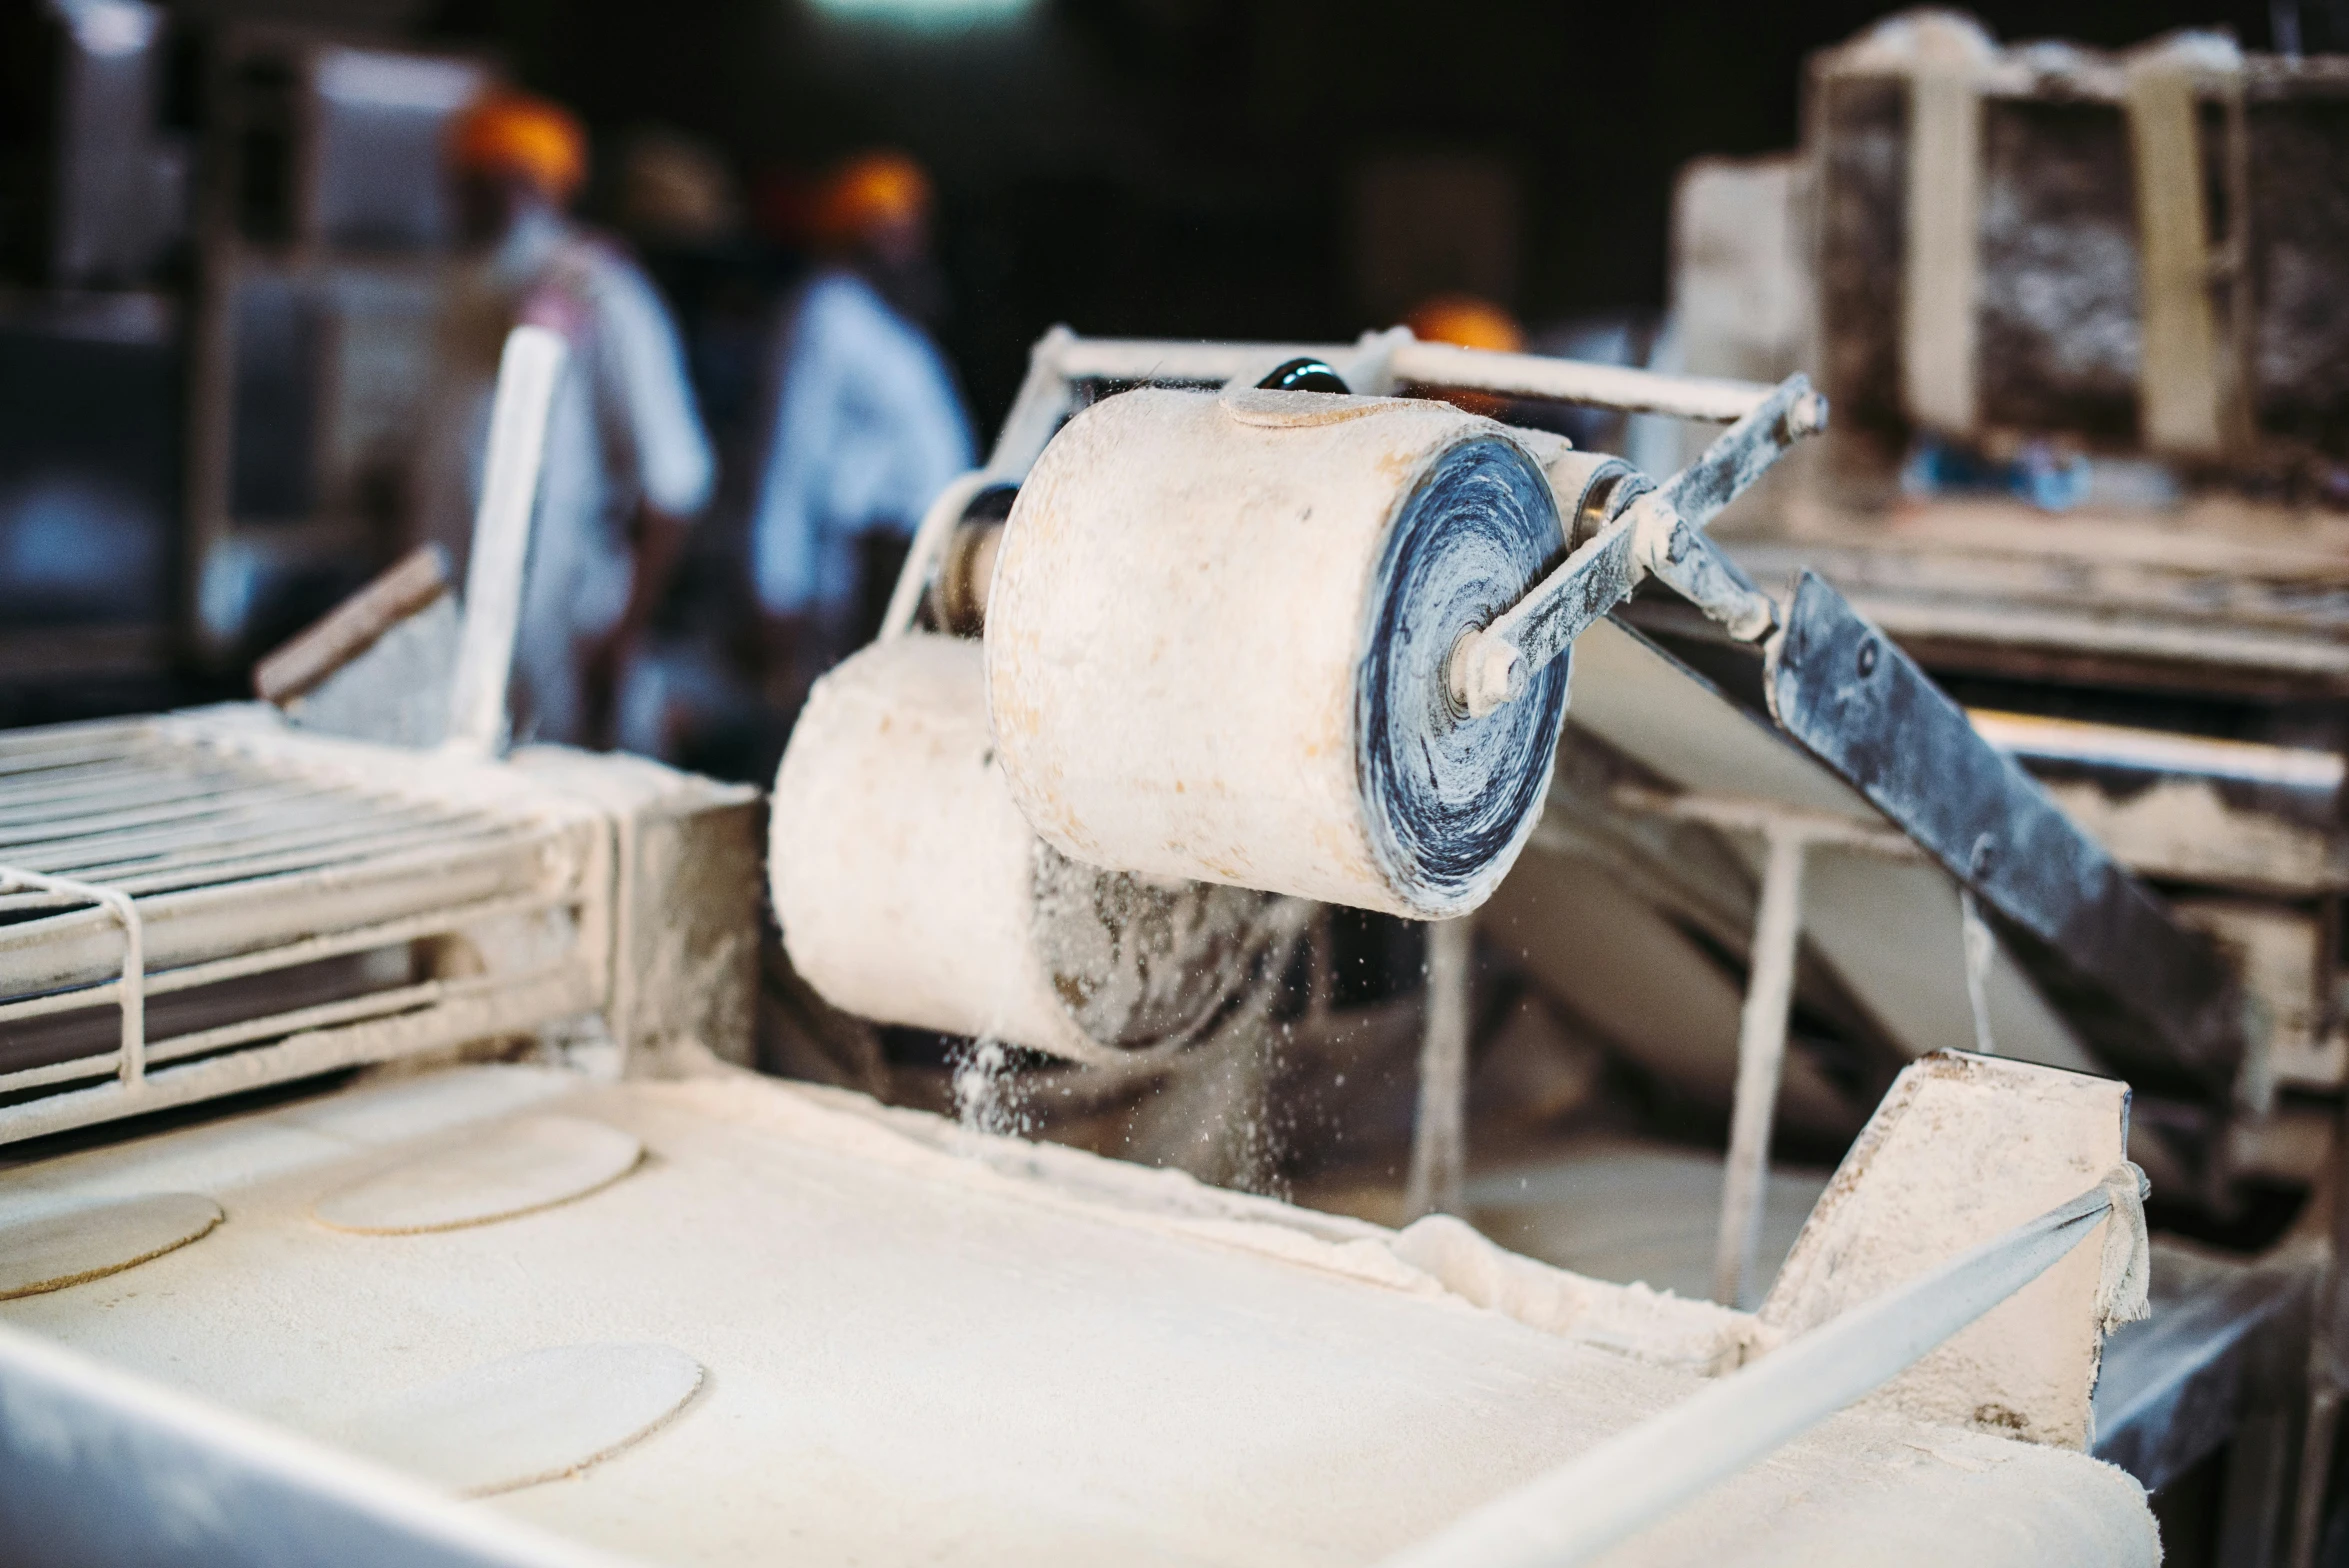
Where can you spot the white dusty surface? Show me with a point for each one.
(64, 1249)
(472, 1178)
(1963, 1149)
(526, 1418)
(902, 874)
(926, 1346)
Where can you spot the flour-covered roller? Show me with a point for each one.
(1218, 634)
(911, 891)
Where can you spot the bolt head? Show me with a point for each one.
(1500, 676)
(1486, 674)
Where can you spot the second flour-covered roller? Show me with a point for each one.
(1218, 637)
(910, 891)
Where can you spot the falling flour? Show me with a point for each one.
(910, 890)
(986, 1090)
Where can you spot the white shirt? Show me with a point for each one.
(624, 430)
(868, 429)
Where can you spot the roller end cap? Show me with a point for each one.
(1486, 674)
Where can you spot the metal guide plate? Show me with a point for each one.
(2152, 997)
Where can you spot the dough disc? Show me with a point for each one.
(531, 1162)
(528, 1418)
(65, 1249)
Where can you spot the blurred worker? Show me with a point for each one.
(627, 462)
(1469, 322)
(868, 426)
(1466, 320)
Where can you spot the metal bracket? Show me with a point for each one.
(1659, 535)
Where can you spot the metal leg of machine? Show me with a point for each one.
(1439, 1136)
(1761, 1056)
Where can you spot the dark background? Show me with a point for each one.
(1182, 167)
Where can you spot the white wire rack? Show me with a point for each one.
(190, 906)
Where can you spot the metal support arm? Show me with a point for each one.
(1661, 535)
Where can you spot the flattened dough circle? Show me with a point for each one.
(528, 1163)
(65, 1249)
(528, 1418)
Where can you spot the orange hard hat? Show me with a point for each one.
(1467, 321)
(870, 192)
(515, 133)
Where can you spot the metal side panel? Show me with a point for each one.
(99, 1469)
(2153, 998)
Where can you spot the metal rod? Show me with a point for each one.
(188, 861)
(313, 852)
(527, 374)
(152, 786)
(51, 751)
(389, 933)
(101, 828)
(1439, 1135)
(1037, 410)
(1577, 381)
(1374, 363)
(500, 1012)
(1980, 949)
(69, 1001)
(2041, 739)
(59, 766)
(375, 1004)
(138, 783)
(42, 794)
(1588, 1505)
(1165, 360)
(1761, 1059)
(130, 992)
(1821, 829)
(1536, 376)
(1742, 454)
(106, 1064)
(210, 922)
(1494, 666)
(250, 857)
(238, 821)
(928, 549)
(48, 737)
